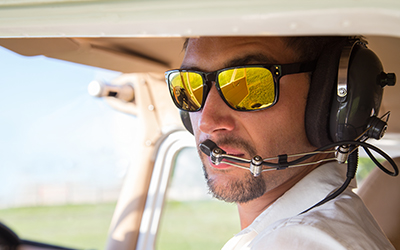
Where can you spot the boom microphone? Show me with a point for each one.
(257, 164)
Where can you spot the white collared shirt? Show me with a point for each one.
(342, 223)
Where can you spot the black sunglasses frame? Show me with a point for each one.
(277, 71)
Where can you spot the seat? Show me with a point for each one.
(381, 194)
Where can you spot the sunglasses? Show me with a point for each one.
(243, 88)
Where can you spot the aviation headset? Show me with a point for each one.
(351, 78)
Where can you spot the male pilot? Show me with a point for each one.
(270, 205)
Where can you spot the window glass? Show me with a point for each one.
(191, 218)
(63, 153)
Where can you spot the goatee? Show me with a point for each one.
(238, 191)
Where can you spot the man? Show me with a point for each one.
(271, 205)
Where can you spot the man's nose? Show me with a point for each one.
(215, 116)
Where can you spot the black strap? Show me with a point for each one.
(282, 162)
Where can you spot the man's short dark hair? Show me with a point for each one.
(311, 47)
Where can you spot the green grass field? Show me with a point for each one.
(197, 225)
(80, 226)
(185, 225)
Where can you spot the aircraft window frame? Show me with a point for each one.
(167, 152)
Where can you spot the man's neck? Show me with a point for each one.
(249, 211)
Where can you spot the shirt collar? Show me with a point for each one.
(307, 192)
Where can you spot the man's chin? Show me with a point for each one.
(240, 189)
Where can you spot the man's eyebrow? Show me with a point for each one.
(190, 68)
(251, 59)
(240, 61)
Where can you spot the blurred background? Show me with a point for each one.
(62, 151)
(58, 144)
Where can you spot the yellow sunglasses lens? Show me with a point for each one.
(187, 90)
(250, 88)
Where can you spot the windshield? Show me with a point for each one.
(63, 153)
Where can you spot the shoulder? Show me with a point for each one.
(343, 223)
(291, 235)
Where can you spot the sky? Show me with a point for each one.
(52, 131)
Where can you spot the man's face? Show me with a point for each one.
(268, 133)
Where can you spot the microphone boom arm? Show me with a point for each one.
(217, 155)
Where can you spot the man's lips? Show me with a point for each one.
(225, 163)
(232, 151)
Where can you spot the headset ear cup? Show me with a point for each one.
(322, 84)
(351, 114)
(185, 117)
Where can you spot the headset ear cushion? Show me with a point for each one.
(322, 85)
(185, 117)
(351, 115)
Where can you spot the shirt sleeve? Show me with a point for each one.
(296, 237)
